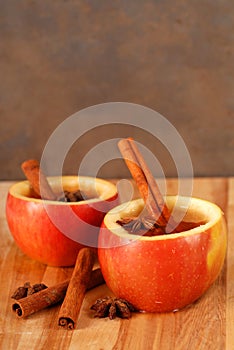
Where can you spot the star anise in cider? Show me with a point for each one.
(112, 308)
(75, 196)
(146, 223)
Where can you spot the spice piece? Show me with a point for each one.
(112, 308)
(36, 288)
(37, 179)
(75, 196)
(21, 292)
(27, 289)
(141, 224)
(50, 296)
(41, 187)
(79, 282)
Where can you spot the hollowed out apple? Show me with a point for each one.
(167, 272)
(53, 232)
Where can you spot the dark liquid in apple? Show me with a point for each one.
(186, 226)
(67, 196)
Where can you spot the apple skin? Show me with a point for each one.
(163, 273)
(38, 226)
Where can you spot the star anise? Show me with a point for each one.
(68, 196)
(112, 308)
(27, 289)
(137, 223)
(21, 292)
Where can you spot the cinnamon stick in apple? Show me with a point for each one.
(80, 279)
(37, 179)
(148, 187)
(50, 296)
(145, 181)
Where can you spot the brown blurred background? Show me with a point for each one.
(176, 57)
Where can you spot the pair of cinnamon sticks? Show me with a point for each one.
(71, 292)
(148, 187)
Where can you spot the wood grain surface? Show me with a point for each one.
(207, 324)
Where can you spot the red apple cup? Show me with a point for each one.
(53, 232)
(167, 272)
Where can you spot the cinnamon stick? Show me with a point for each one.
(37, 179)
(80, 279)
(50, 296)
(145, 182)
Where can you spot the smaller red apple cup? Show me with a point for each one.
(53, 232)
(167, 272)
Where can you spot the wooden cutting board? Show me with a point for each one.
(207, 324)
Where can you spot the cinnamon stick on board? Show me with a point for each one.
(50, 296)
(73, 300)
(37, 179)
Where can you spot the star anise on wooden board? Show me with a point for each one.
(137, 223)
(112, 308)
(27, 289)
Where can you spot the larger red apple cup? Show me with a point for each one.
(53, 232)
(167, 272)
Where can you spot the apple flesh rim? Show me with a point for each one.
(167, 272)
(48, 231)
